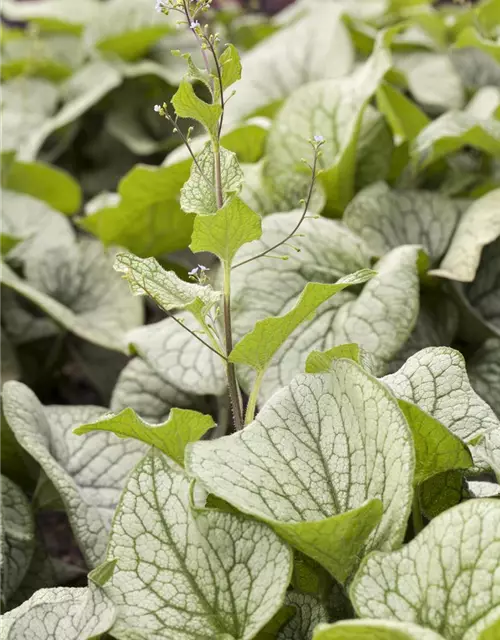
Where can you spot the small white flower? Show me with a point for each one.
(160, 5)
(319, 139)
(193, 272)
(157, 108)
(202, 268)
(194, 24)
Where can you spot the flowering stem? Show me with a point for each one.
(193, 333)
(234, 392)
(252, 401)
(301, 220)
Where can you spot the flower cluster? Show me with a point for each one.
(199, 273)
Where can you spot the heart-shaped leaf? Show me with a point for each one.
(179, 358)
(63, 613)
(88, 473)
(430, 581)
(270, 60)
(387, 219)
(217, 573)
(435, 379)
(383, 316)
(77, 288)
(305, 466)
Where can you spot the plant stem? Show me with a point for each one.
(223, 413)
(218, 175)
(234, 393)
(252, 401)
(418, 522)
(296, 228)
(194, 334)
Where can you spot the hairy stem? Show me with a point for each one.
(234, 392)
(252, 401)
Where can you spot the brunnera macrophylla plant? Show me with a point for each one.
(345, 489)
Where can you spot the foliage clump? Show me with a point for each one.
(259, 376)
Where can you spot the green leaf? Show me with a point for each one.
(88, 473)
(374, 149)
(141, 388)
(479, 226)
(333, 109)
(52, 14)
(373, 630)
(126, 28)
(63, 613)
(485, 103)
(21, 116)
(80, 93)
(309, 612)
(454, 556)
(229, 579)
(187, 105)
(18, 537)
(435, 379)
(52, 55)
(8, 242)
(483, 293)
(44, 182)
(480, 489)
(383, 316)
(484, 373)
(476, 68)
(103, 573)
(470, 37)
(198, 194)
(266, 287)
(488, 450)
(180, 358)
(39, 228)
(147, 277)
(436, 449)
(321, 49)
(225, 232)
(441, 492)
(387, 219)
(284, 469)
(269, 631)
(259, 346)
(270, 287)
(77, 288)
(321, 361)
(404, 116)
(15, 462)
(147, 218)
(230, 67)
(437, 325)
(451, 132)
(432, 80)
(171, 437)
(245, 139)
